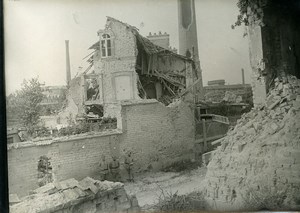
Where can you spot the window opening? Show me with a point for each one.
(106, 46)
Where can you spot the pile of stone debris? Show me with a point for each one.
(87, 195)
(257, 165)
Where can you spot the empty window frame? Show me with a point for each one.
(106, 46)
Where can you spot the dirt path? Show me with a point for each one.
(149, 187)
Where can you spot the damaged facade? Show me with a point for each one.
(127, 66)
(133, 80)
(256, 165)
(274, 41)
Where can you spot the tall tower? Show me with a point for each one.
(68, 69)
(188, 41)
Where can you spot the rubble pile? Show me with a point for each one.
(257, 165)
(87, 195)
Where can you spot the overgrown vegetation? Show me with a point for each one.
(252, 10)
(44, 171)
(245, 8)
(86, 126)
(172, 202)
(25, 104)
(179, 166)
(266, 198)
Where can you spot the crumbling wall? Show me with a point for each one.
(120, 64)
(217, 93)
(87, 195)
(274, 44)
(114, 111)
(75, 92)
(257, 165)
(169, 62)
(157, 135)
(73, 157)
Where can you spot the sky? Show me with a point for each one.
(35, 32)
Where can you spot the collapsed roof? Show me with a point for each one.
(150, 60)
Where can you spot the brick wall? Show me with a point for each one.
(257, 165)
(70, 158)
(274, 49)
(157, 135)
(87, 195)
(122, 62)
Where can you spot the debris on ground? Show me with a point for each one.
(87, 195)
(261, 151)
(172, 202)
(148, 187)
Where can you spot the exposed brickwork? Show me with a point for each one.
(122, 62)
(274, 49)
(257, 165)
(217, 93)
(76, 92)
(72, 158)
(158, 135)
(87, 195)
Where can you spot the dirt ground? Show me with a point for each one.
(149, 187)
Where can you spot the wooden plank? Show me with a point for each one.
(216, 118)
(150, 60)
(204, 135)
(220, 119)
(212, 138)
(191, 87)
(87, 69)
(217, 141)
(144, 64)
(168, 87)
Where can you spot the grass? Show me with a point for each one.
(180, 166)
(172, 202)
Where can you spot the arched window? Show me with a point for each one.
(106, 46)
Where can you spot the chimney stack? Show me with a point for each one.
(68, 69)
(243, 76)
(188, 40)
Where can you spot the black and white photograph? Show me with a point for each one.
(152, 105)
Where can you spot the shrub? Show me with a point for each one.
(172, 202)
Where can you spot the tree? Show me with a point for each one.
(26, 104)
(252, 10)
(249, 8)
(31, 97)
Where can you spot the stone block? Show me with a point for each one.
(296, 104)
(250, 131)
(134, 210)
(241, 147)
(274, 127)
(291, 97)
(123, 206)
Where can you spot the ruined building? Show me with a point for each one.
(127, 66)
(162, 40)
(274, 41)
(256, 167)
(149, 89)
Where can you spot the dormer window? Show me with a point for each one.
(106, 46)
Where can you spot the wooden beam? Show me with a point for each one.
(191, 87)
(168, 87)
(204, 135)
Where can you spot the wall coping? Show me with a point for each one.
(63, 139)
(139, 102)
(232, 86)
